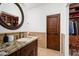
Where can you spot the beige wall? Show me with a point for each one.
(41, 38)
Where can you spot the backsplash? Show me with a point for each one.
(16, 35)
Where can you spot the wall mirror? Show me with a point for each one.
(11, 15)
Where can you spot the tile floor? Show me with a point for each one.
(48, 52)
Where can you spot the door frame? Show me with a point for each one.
(59, 26)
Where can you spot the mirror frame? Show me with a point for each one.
(16, 27)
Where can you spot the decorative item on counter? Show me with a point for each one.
(5, 38)
(22, 35)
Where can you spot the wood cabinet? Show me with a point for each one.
(73, 27)
(16, 53)
(28, 50)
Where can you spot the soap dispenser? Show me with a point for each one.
(5, 38)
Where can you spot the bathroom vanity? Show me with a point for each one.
(22, 47)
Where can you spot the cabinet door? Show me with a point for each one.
(13, 54)
(29, 50)
(17, 53)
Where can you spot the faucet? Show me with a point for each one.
(28, 34)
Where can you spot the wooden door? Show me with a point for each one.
(53, 32)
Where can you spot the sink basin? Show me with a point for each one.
(28, 39)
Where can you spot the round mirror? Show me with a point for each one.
(11, 15)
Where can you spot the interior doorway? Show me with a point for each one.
(53, 32)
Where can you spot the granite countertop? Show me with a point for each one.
(8, 48)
